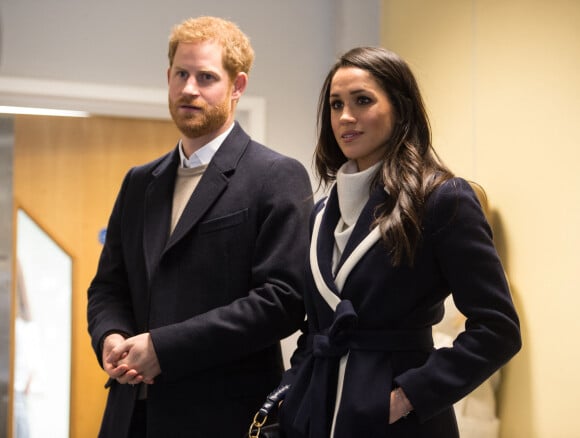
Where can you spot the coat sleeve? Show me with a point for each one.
(470, 265)
(273, 307)
(109, 308)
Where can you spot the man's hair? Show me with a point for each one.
(238, 54)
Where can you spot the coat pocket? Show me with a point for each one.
(223, 222)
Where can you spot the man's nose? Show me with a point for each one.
(191, 87)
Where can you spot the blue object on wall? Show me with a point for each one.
(102, 235)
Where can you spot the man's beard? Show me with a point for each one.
(206, 120)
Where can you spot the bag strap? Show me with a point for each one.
(272, 401)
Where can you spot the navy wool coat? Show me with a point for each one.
(217, 295)
(369, 326)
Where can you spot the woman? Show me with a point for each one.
(396, 235)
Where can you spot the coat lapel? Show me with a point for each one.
(159, 196)
(321, 248)
(212, 184)
(363, 237)
(157, 209)
(364, 223)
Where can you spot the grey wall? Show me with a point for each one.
(125, 43)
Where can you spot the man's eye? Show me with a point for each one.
(206, 77)
(181, 74)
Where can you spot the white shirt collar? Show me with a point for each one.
(204, 154)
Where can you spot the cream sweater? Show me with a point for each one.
(185, 183)
(353, 188)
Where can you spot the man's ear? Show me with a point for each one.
(239, 85)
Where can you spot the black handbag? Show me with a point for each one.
(258, 428)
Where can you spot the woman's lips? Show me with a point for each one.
(350, 135)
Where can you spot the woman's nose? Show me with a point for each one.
(346, 116)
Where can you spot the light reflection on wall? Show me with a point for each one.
(43, 334)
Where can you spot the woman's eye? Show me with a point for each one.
(336, 104)
(363, 100)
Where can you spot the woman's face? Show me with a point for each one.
(361, 116)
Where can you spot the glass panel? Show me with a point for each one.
(42, 334)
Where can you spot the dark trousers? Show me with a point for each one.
(138, 427)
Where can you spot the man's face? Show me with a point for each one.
(200, 90)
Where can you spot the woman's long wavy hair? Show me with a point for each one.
(411, 169)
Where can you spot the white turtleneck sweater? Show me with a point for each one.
(353, 188)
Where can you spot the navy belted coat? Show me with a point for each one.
(369, 326)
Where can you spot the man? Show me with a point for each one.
(200, 275)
